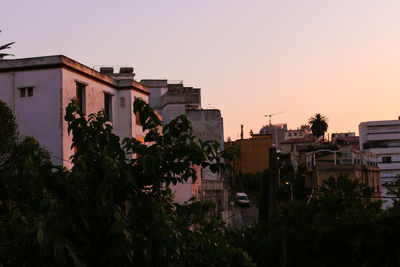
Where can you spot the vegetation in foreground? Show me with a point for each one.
(112, 209)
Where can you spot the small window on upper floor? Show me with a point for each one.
(81, 96)
(26, 91)
(387, 159)
(122, 102)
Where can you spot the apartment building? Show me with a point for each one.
(39, 89)
(171, 99)
(358, 165)
(277, 132)
(383, 139)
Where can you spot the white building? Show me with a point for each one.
(383, 139)
(299, 133)
(174, 99)
(39, 89)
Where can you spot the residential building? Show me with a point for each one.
(299, 133)
(353, 141)
(335, 135)
(325, 163)
(174, 99)
(39, 89)
(295, 145)
(383, 139)
(277, 132)
(253, 153)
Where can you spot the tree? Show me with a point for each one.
(333, 230)
(3, 47)
(319, 125)
(114, 207)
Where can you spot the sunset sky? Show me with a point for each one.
(250, 58)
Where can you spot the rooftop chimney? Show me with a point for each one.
(241, 131)
(126, 70)
(107, 70)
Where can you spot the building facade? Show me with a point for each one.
(299, 133)
(358, 165)
(253, 154)
(39, 89)
(174, 99)
(277, 132)
(383, 139)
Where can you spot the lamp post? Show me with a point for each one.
(291, 190)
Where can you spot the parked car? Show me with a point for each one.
(241, 199)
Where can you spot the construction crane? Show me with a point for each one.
(270, 115)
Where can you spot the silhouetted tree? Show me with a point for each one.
(319, 125)
(114, 207)
(3, 47)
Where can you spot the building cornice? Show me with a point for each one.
(60, 61)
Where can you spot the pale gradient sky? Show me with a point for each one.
(250, 58)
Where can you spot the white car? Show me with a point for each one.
(241, 199)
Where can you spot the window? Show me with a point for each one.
(81, 96)
(108, 106)
(387, 159)
(137, 118)
(26, 91)
(122, 100)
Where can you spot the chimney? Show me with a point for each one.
(241, 131)
(126, 70)
(107, 70)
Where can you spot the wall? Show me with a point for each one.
(388, 130)
(208, 125)
(39, 116)
(254, 153)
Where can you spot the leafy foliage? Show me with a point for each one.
(343, 227)
(114, 207)
(3, 47)
(319, 125)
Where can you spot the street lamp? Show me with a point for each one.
(291, 190)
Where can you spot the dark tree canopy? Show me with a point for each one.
(113, 208)
(319, 125)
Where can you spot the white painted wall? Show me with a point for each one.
(40, 115)
(383, 131)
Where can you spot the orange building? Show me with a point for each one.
(253, 153)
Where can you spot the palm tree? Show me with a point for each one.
(319, 125)
(3, 47)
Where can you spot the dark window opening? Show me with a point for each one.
(26, 91)
(108, 106)
(386, 159)
(80, 96)
(22, 90)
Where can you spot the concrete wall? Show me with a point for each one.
(254, 153)
(40, 115)
(208, 125)
(94, 98)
